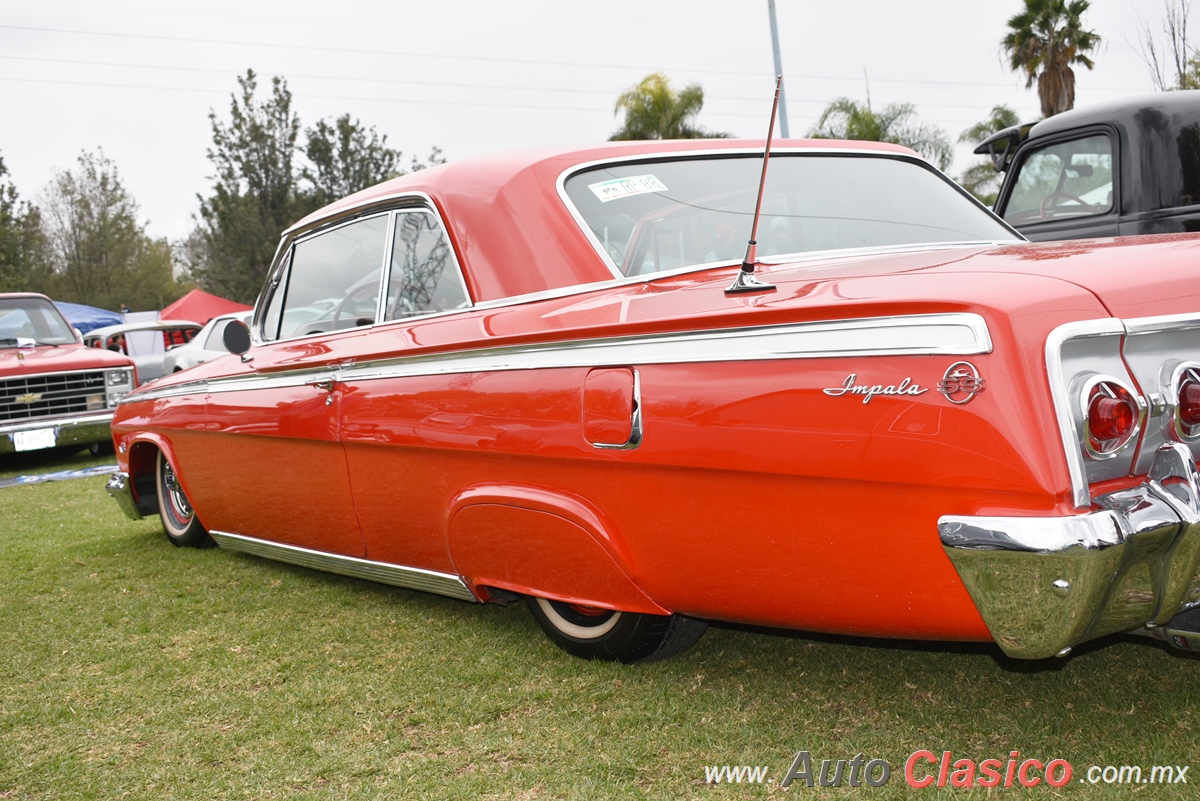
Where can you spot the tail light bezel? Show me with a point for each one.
(1178, 428)
(1097, 449)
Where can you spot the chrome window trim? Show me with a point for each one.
(385, 271)
(1061, 396)
(951, 334)
(414, 578)
(418, 199)
(390, 205)
(697, 155)
(462, 281)
(280, 264)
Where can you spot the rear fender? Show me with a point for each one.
(535, 542)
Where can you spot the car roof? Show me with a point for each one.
(1179, 108)
(504, 210)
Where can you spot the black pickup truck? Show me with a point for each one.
(1130, 166)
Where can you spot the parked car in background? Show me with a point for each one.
(1126, 167)
(54, 392)
(146, 343)
(207, 344)
(539, 379)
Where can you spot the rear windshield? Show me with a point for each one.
(32, 321)
(652, 216)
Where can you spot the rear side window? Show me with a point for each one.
(1063, 180)
(423, 276)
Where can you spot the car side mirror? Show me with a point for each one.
(236, 337)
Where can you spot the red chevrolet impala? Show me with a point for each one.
(533, 375)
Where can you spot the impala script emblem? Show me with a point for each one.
(905, 387)
(961, 383)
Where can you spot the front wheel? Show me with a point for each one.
(179, 520)
(593, 633)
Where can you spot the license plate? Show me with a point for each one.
(34, 440)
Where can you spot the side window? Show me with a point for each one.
(1065, 179)
(424, 277)
(333, 280)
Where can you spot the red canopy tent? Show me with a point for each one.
(200, 307)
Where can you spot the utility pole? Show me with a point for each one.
(783, 118)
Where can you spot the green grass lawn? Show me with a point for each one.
(132, 669)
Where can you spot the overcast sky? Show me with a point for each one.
(138, 78)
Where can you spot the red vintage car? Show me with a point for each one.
(531, 375)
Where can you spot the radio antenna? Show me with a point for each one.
(745, 280)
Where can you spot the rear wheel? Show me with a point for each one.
(594, 633)
(179, 520)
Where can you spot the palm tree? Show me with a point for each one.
(982, 179)
(1045, 40)
(653, 110)
(896, 123)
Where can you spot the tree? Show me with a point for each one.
(896, 123)
(99, 252)
(982, 179)
(22, 266)
(254, 192)
(1044, 41)
(653, 110)
(345, 157)
(259, 190)
(1177, 65)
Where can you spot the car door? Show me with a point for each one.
(405, 434)
(275, 429)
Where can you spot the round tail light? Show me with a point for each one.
(1113, 415)
(1186, 386)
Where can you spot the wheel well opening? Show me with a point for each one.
(142, 465)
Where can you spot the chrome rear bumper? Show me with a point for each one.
(120, 488)
(1046, 584)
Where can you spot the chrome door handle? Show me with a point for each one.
(326, 383)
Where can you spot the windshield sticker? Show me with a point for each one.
(624, 187)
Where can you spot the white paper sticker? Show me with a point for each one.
(34, 440)
(624, 187)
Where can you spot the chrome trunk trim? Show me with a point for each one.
(413, 578)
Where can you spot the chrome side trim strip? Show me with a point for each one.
(150, 392)
(930, 334)
(412, 578)
(1168, 322)
(955, 334)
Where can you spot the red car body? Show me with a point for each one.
(649, 444)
